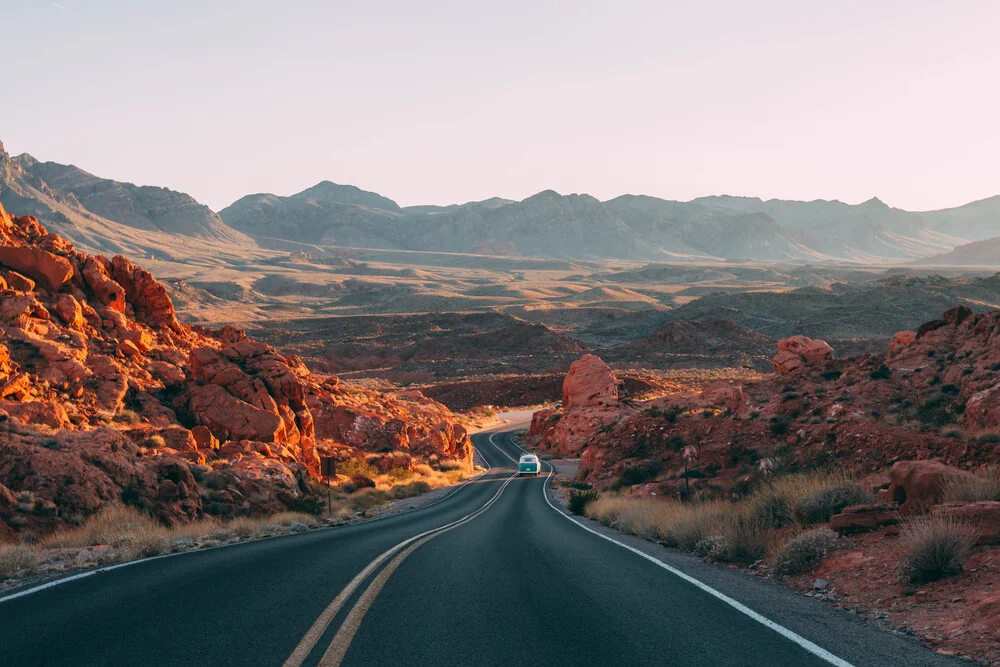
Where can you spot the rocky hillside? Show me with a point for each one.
(72, 200)
(105, 397)
(935, 394)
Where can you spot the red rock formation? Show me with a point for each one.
(864, 518)
(796, 351)
(588, 382)
(919, 485)
(102, 341)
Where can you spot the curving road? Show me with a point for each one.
(493, 574)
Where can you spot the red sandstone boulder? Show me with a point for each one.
(230, 418)
(70, 311)
(864, 518)
(51, 269)
(589, 381)
(916, 486)
(17, 282)
(722, 394)
(984, 516)
(982, 410)
(796, 351)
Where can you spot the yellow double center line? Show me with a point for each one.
(345, 634)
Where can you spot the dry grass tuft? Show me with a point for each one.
(934, 548)
(972, 489)
(17, 560)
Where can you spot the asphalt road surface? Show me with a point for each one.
(490, 575)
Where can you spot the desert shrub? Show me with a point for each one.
(883, 372)
(805, 551)
(199, 472)
(400, 474)
(579, 499)
(245, 527)
(713, 548)
(934, 547)
(356, 467)
(831, 375)
(146, 546)
(130, 417)
(307, 503)
(449, 465)
(686, 533)
(17, 560)
(289, 519)
(988, 436)
(778, 426)
(770, 510)
(416, 488)
(973, 489)
(632, 475)
(936, 411)
(51, 443)
(820, 505)
(582, 486)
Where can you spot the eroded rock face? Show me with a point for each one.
(105, 397)
(917, 486)
(589, 381)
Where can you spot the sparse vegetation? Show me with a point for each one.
(974, 488)
(934, 547)
(741, 532)
(17, 560)
(579, 499)
(805, 551)
(820, 505)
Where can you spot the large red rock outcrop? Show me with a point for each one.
(916, 486)
(588, 382)
(101, 385)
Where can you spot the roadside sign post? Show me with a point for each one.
(328, 469)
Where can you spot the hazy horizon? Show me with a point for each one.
(446, 103)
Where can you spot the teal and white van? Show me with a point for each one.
(529, 465)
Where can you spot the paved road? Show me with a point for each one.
(492, 575)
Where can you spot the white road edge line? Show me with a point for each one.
(108, 568)
(816, 650)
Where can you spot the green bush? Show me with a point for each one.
(578, 500)
(805, 551)
(779, 426)
(357, 467)
(633, 475)
(819, 506)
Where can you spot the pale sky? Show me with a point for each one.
(437, 102)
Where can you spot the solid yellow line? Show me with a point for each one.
(315, 632)
(345, 635)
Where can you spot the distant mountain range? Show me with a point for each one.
(106, 215)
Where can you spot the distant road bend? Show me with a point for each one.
(493, 574)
